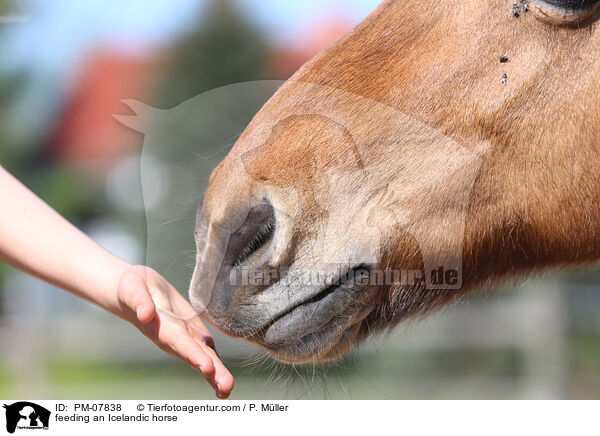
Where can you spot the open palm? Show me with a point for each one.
(156, 308)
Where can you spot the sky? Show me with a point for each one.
(58, 32)
(55, 36)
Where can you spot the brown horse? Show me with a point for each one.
(439, 147)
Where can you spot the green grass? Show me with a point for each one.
(5, 388)
(443, 374)
(389, 374)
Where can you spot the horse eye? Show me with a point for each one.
(564, 12)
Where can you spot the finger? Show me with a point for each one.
(160, 298)
(181, 307)
(137, 298)
(222, 376)
(176, 340)
(191, 351)
(201, 335)
(198, 330)
(146, 312)
(144, 307)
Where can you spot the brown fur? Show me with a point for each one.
(536, 202)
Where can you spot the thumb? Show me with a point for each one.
(144, 308)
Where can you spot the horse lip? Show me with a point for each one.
(311, 316)
(252, 317)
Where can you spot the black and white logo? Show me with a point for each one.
(26, 415)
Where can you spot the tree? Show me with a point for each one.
(223, 48)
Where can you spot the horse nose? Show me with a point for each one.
(223, 251)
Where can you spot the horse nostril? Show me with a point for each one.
(222, 249)
(253, 234)
(221, 252)
(263, 234)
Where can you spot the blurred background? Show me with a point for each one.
(66, 67)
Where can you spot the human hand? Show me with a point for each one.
(72, 261)
(149, 302)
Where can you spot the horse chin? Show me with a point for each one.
(312, 346)
(316, 348)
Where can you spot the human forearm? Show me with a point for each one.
(37, 240)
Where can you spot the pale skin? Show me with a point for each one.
(37, 240)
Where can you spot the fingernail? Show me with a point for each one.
(210, 342)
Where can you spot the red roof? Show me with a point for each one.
(86, 128)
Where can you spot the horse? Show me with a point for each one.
(438, 148)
